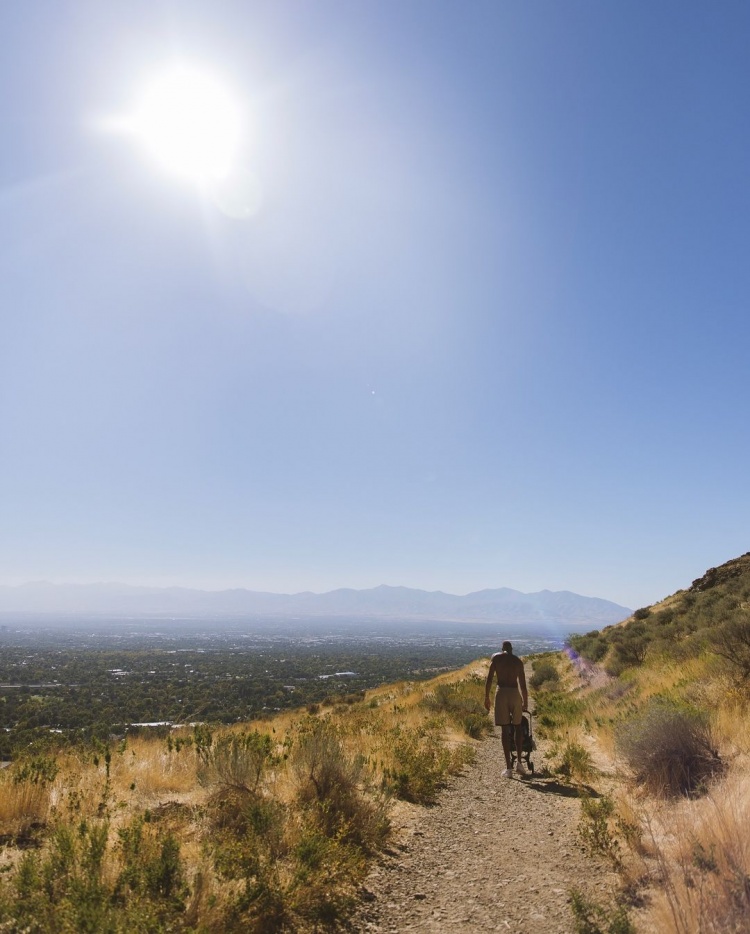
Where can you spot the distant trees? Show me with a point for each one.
(95, 691)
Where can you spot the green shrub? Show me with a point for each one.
(476, 725)
(593, 646)
(151, 866)
(462, 701)
(545, 674)
(38, 770)
(261, 901)
(248, 840)
(334, 785)
(630, 644)
(66, 887)
(591, 918)
(323, 890)
(235, 760)
(576, 762)
(670, 749)
(595, 830)
(422, 765)
(732, 642)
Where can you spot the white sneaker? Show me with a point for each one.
(508, 773)
(521, 768)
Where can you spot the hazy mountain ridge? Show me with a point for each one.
(498, 605)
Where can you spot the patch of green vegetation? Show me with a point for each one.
(576, 762)
(556, 710)
(712, 616)
(462, 702)
(545, 675)
(595, 827)
(592, 646)
(66, 889)
(423, 764)
(592, 918)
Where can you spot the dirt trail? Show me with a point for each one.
(494, 853)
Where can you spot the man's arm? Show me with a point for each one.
(522, 684)
(488, 684)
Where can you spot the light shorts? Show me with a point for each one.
(508, 702)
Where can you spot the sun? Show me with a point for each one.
(188, 122)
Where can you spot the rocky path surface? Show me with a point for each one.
(493, 854)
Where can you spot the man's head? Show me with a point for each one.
(508, 648)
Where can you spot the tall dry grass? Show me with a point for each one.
(154, 769)
(702, 852)
(22, 806)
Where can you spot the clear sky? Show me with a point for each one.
(486, 323)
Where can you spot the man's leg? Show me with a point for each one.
(506, 734)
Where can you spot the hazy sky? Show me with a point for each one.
(487, 327)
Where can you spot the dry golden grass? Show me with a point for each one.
(732, 721)
(154, 769)
(702, 850)
(22, 806)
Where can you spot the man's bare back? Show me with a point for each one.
(509, 670)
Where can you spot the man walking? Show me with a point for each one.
(511, 699)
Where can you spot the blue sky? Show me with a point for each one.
(488, 327)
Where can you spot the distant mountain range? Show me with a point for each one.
(503, 606)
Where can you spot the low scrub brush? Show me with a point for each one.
(669, 749)
(333, 784)
(462, 702)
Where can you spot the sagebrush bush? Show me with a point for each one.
(576, 762)
(544, 674)
(732, 642)
(323, 889)
(332, 783)
(595, 830)
(67, 886)
(592, 918)
(592, 646)
(670, 749)
(629, 646)
(422, 765)
(248, 840)
(235, 760)
(462, 702)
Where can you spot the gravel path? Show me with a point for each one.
(494, 853)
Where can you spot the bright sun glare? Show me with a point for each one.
(189, 123)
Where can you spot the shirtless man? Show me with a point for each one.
(509, 703)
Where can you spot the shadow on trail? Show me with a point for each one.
(553, 787)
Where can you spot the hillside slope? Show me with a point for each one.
(713, 614)
(661, 704)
